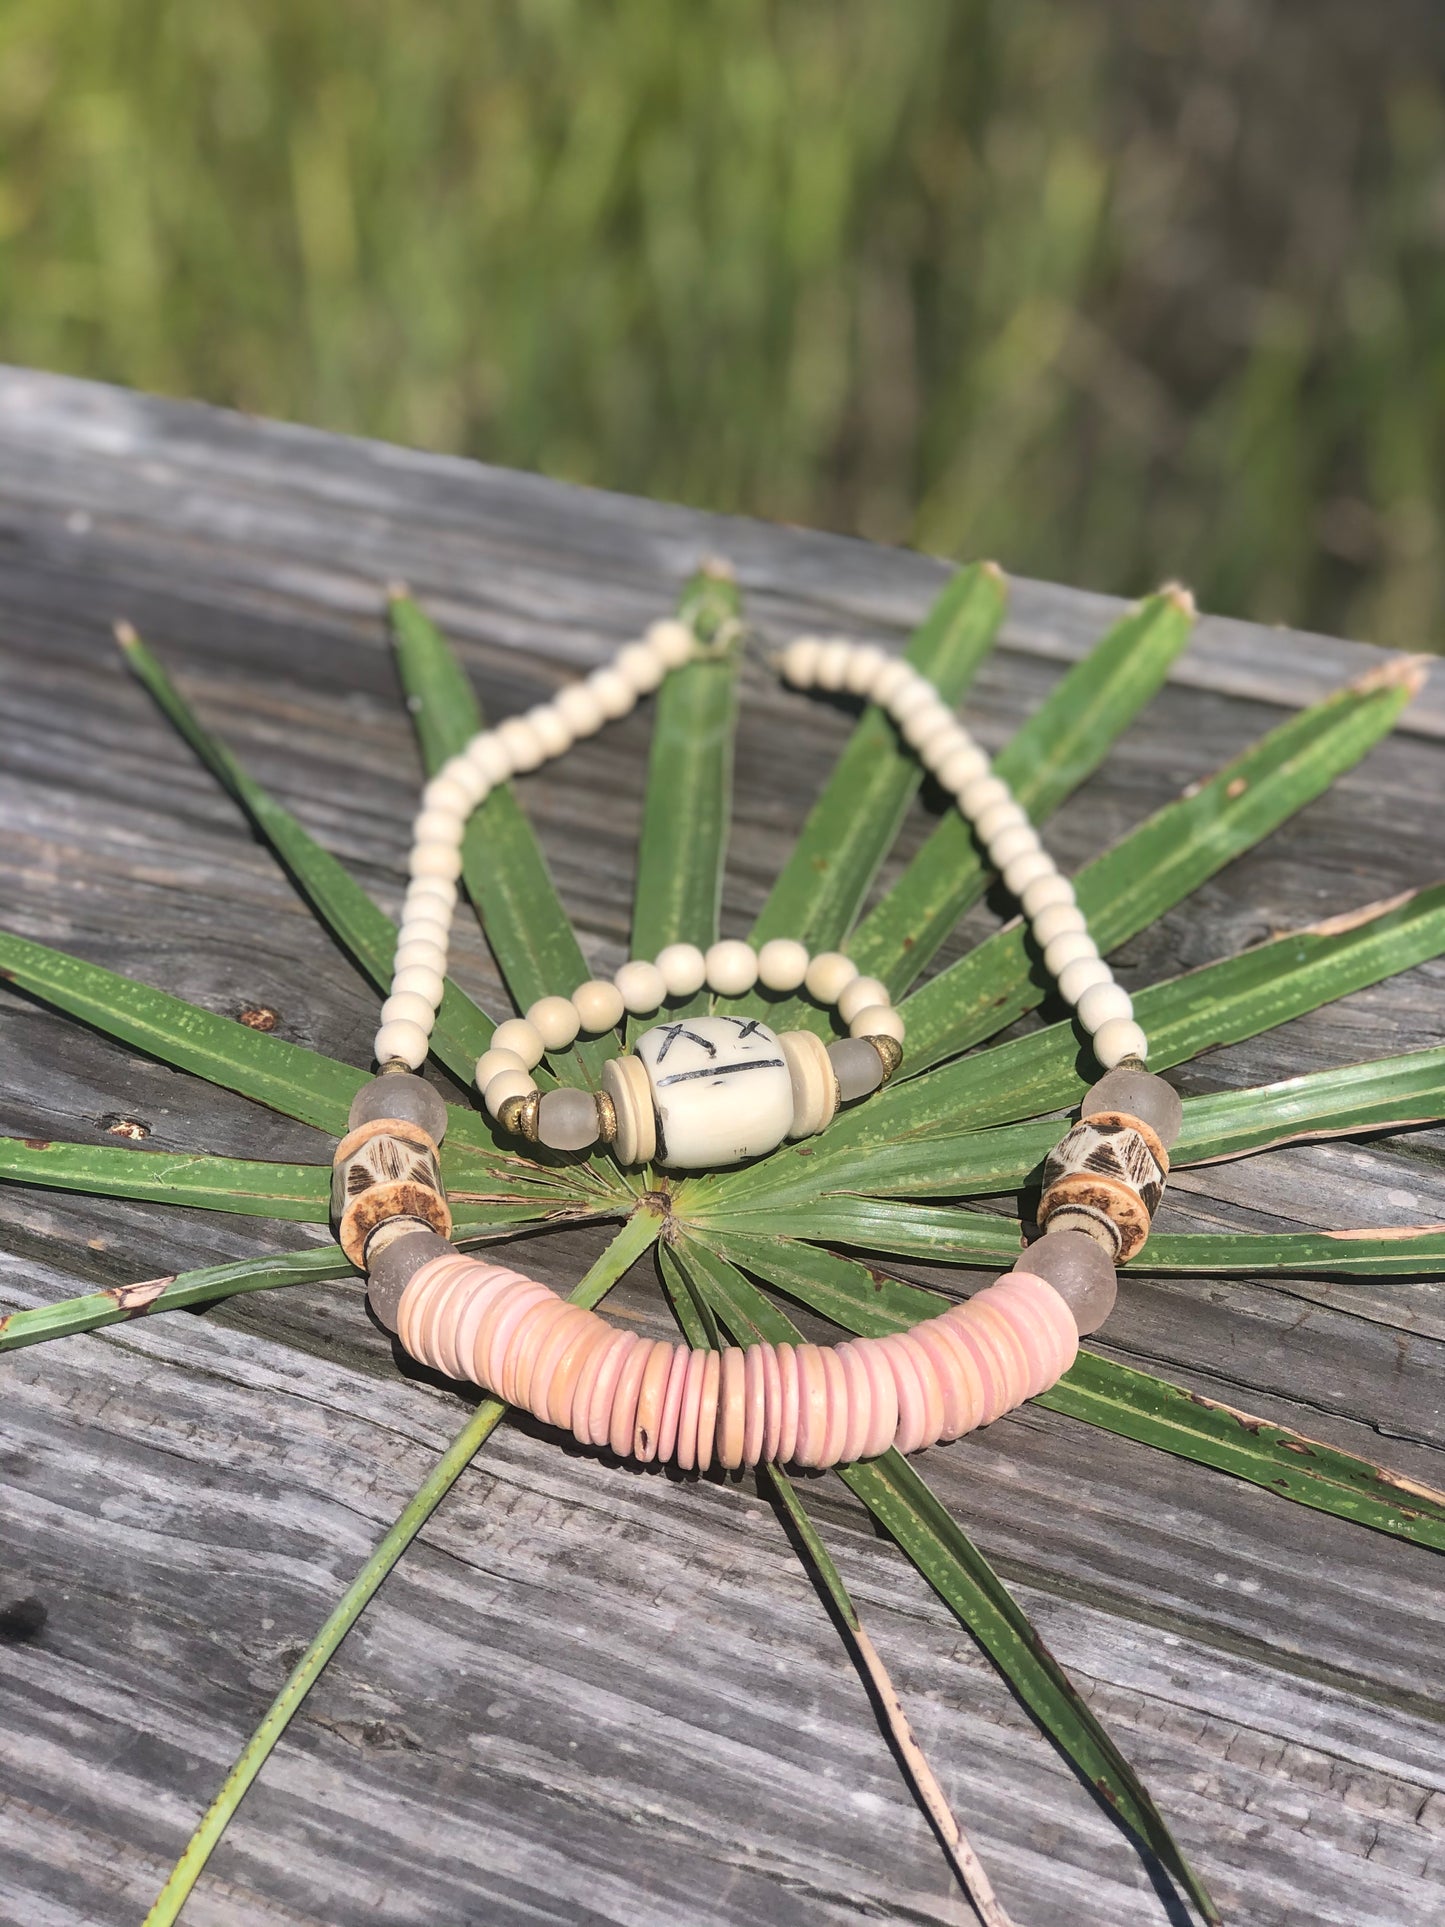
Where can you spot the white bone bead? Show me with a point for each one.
(877, 1020)
(626, 1083)
(828, 974)
(552, 728)
(670, 640)
(430, 897)
(1029, 866)
(437, 860)
(815, 1086)
(519, 1037)
(1104, 1004)
(963, 766)
(613, 691)
(521, 742)
(640, 667)
(1121, 1037)
(494, 1061)
(684, 969)
(865, 666)
(444, 792)
(861, 993)
(555, 1021)
(424, 930)
(598, 1004)
(995, 818)
(437, 826)
(782, 964)
(721, 1089)
(1078, 977)
(800, 661)
(895, 675)
(832, 667)
(641, 984)
(410, 1008)
(504, 1085)
(488, 758)
(732, 967)
(1056, 919)
(465, 774)
(399, 1037)
(1016, 839)
(579, 707)
(982, 794)
(925, 727)
(915, 695)
(419, 981)
(418, 950)
(1067, 948)
(1044, 893)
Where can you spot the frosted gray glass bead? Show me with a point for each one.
(392, 1269)
(567, 1120)
(857, 1067)
(1079, 1270)
(399, 1094)
(1138, 1094)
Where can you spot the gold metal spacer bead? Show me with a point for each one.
(606, 1118)
(890, 1054)
(393, 1067)
(518, 1116)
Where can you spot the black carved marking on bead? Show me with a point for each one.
(671, 1034)
(723, 1070)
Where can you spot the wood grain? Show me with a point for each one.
(597, 1694)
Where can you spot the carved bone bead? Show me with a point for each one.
(1108, 1171)
(388, 1168)
(721, 1089)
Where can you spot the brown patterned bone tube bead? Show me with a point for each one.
(1106, 1178)
(388, 1168)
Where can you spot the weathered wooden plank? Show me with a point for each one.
(594, 1694)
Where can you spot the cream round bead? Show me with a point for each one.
(425, 930)
(521, 742)
(1121, 1037)
(982, 794)
(446, 792)
(926, 727)
(400, 1038)
(488, 758)
(911, 698)
(505, 1084)
(831, 670)
(861, 993)
(552, 729)
(1016, 840)
(782, 964)
(865, 665)
(555, 1021)
(894, 676)
(430, 897)
(579, 707)
(1045, 893)
(1055, 919)
(436, 860)
(460, 770)
(1104, 1004)
(1076, 978)
(877, 1020)
(942, 746)
(522, 1039)
(409, 1007)
(614, 693)
(670, 641)
(684, 969)
(1029, 866)
(641, 668)
(420, 981)
(642, 985)
(800, 661)
(995, 819)
(598, 1005)
(413, 951)
(828, 975)
(732, 967)
(437, 826)
(1067, 948)
(963, 766)
(493, 1062)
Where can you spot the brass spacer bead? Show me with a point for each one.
(606, 1118)
(393, 1066)
(890, 1054)
(518, 1116)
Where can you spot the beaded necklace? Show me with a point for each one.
(709, 1091)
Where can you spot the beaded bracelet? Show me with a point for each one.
(711, 1090)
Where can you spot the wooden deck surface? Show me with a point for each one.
(593, 1694)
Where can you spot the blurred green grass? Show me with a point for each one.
(1113, 290)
